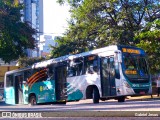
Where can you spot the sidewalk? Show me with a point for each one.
(146, 97)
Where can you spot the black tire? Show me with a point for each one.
(64, 102)
(95, 95)
(121, 99)
(103, 99)
(32, 100)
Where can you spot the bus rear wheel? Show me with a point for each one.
(95, 96)
(32, 100)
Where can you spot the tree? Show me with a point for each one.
(99, 23)
(150, 42)
(15, 36)
(25, 61)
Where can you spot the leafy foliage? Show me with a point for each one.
(15, 36)
(29, 61)
(150, 42)
(98, 23)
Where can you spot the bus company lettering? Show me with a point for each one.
(140, 85)
(135, 85)
(42, 88)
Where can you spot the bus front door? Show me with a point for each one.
(60, 83)
(108, 77)
(18, 89)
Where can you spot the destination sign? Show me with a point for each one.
(129, 50)
(131, 72)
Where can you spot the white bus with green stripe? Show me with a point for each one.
(101, 74)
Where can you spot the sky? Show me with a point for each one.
(55, 17)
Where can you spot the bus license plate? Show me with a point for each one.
(142, 93)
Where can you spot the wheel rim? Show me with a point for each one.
(33, 101)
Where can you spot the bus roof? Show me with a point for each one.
(70, 57)
(17, 70)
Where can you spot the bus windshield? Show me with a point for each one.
(135, 66)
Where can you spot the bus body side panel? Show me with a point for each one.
(44, 91)
(120, 88)
(25, 94)
(73, 88)
(9, 95)
(76, 88)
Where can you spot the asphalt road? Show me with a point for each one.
(87, 105)
(148, 108)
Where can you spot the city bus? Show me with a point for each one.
(36, 85)
(112, 72)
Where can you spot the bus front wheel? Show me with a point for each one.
(32, 100)
(95, 96)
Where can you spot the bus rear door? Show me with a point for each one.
(60, 83)
(18, 79)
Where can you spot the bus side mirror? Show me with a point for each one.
(117, 73)
(118, 60)
(118, 57)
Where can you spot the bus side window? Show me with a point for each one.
(43, 76)
(50, 73)
(39, 74)
(95, 66)
(46, 74)
(76, 69)
(79, 66)
(71, 72)
(9, 81)
(27, 74)
(91, 65)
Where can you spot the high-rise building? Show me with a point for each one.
(46, 41)
(33, 14)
